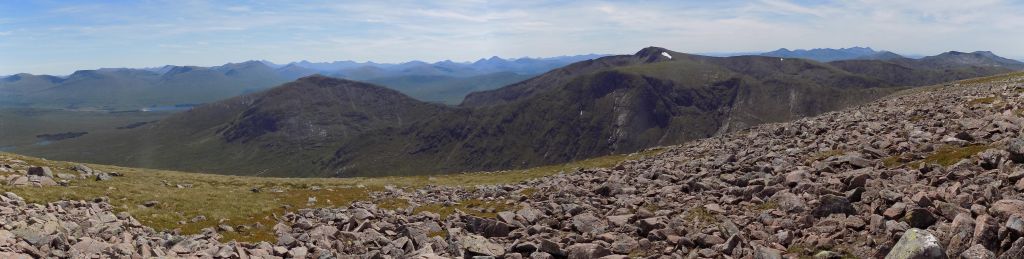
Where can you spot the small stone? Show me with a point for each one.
(40, 171)
(588, 223)
(625, 245)
(978, 251)
(795, 177)
(767, 253)
(650, 224)
(895, 211)
(986, 232)
(298, 252)
(82, 169)
(920, 218)
(922, 200)
(1016, 149)
(586, 251)
(830, 204)
(1015, 224)
(479, 245)
(1016, 250)
(1007, 207)
(960, 234)
(103, 177)
(714, 208)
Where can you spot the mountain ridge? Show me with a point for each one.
(829, 54)
(133, 89)
(609, 105)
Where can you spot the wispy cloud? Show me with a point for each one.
(66, 36)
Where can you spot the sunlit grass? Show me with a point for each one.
(949, 155)
(986, 100)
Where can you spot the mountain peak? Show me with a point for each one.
(316, 78)
(84, 74)
(651, 54)
(247, 63)
(16, 77)
(984, 53)
(652, 50)
(321, 80)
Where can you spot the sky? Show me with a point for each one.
(59, 37)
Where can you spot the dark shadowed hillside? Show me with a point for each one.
(319, 126)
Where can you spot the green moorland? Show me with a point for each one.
(231, 200)
(19, 127)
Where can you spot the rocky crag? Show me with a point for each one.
(935, 172)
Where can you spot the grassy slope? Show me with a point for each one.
(230, 198)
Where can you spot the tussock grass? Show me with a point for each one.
(475, 207)
(528, 191)
(231, 200)
(892, 162)
(823, 155)
(765, 206)
(701, 216)
(948, 155)
(392, 204)
(985, 100)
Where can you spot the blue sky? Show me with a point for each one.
(58, 37)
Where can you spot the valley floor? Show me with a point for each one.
(925, 173)
(22, 128)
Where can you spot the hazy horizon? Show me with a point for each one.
(58, 38)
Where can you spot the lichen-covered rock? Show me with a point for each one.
(917, 244)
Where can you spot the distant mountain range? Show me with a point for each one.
(949, 59)
(826, 55)
(127, 88)
(118, 89)
(322, 126)
(369, 70)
